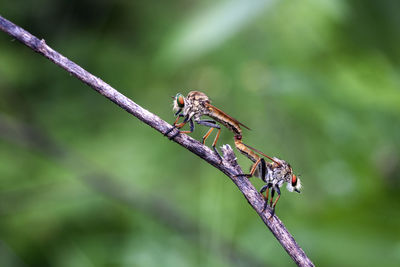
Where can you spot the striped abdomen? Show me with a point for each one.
(232, 124)
(245, 150)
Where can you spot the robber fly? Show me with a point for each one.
(196, 105)
(275, 174)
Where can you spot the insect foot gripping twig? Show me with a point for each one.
(257, 202)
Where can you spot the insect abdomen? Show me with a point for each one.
(227, 122)
(245, 150)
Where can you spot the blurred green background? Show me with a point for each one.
(83, 183)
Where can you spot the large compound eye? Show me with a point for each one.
(294, 180)
(180, 100)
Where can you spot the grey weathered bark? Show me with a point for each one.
(228, 166)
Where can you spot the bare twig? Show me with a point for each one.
(228, 165)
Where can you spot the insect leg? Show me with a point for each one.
(209, 123)
(265, 187)
(214, 144)
(179, 111)
(191, 127)
(216, 137)
(254, 167)
(276, 200)
(212, 124)
(177, 118)
(180, 125)
(174, 124)
(207, 134)
(272, 196)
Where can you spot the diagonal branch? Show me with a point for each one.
(228, 166)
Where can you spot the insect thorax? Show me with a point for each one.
(195, 105)
(278, 174)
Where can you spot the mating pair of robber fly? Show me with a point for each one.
(274, 173)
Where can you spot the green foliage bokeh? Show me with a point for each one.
(316, 81)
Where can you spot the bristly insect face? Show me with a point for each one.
(282, 170)
(294, 185)
(179, 102)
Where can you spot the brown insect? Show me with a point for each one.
(274, 173)
(196, 105)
